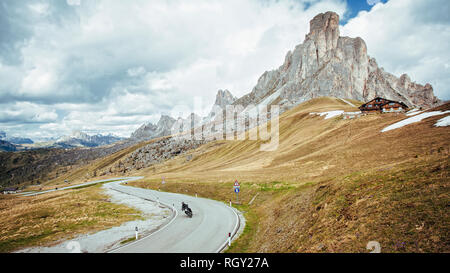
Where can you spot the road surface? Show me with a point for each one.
(122, 179)
(206, 232)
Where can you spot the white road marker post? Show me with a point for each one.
(137, 233)
(229, 238)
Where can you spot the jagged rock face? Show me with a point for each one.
(149, 131)
(224, 98)
(146, 130)
(324, 31)
(165, 123)
(329, 65)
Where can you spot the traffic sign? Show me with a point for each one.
(237, 188)
(236, 184)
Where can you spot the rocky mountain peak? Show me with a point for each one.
(324, 30)
(79, 135)
(326, 64)
(150, 130)
(165, 121)
(224, 98)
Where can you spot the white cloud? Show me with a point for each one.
(408, 36)
(136, 71)
(112, 65)
(26, 112)
(73, 2)
(40, 8)
(373, 2)
(39, 81)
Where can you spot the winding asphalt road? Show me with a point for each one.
(206, 232)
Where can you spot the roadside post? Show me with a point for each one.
(229, 238)
(237, 189)
(136, 233)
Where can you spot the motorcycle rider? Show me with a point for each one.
(187, 209)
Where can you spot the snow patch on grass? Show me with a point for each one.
(349, 103)
(443, 122)
(413, 112)
(413, 119)
(329, 114)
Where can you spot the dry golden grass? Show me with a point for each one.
(316, 154)
(46, 219)
(313, 191)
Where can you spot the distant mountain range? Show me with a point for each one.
(8, 143)
(6, 146)
(15, 140)
(77, 139)
(80, 139)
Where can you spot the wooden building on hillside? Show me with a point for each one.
(383, 105)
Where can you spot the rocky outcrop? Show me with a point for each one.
(151, 154)
(327, 64)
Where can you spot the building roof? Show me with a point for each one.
(386, 101)
(10, 189)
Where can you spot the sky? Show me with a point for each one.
(109, 66)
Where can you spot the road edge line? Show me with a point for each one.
(236, 228)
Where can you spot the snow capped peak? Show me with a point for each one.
(79, 135)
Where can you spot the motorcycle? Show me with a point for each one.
(186, 209)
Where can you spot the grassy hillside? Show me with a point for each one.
(332, 185)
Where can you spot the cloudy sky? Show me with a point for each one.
(109, 66)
